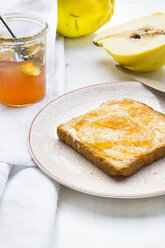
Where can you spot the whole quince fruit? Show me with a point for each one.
(81, 17)
(138, 45)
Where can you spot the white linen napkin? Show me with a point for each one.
(28, 209)
(28, 205)
(15, 122)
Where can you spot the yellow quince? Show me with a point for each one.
(81, 17)
(138, 45)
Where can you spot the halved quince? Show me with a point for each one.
(138, 45)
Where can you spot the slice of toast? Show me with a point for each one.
(119, 137)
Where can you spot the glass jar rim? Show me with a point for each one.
(31, 38)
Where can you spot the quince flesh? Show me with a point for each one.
(81, 17)
(30, 68)
(138, 45)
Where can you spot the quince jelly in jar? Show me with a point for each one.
(22, 61)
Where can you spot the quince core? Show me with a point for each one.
(138, 45)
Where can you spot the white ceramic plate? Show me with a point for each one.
(71, 169)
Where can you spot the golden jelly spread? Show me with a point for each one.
(119, 130)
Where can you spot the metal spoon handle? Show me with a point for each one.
(2, 18)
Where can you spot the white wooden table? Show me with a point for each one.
(89, 221)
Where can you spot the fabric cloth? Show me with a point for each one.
(28, 205)
(28, 209)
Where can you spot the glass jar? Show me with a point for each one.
(22, 60)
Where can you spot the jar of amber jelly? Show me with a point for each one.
(22, 60)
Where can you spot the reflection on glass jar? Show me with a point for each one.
(22, 60)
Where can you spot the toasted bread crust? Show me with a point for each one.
(101, 162)
(105, 165)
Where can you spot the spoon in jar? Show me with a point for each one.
(19, 52)
(2, 18)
